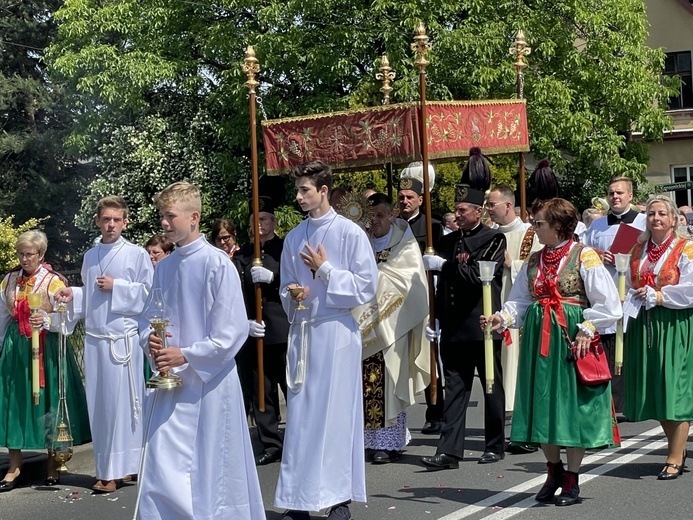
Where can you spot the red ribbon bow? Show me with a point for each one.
(648, 278)
(552, 302)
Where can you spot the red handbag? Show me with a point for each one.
(593, 369)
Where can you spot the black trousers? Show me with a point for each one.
(609, 344)
(267, 422)
(434, 412)
(459, 362)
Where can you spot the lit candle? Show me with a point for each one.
(622, 261)
(486, 272)
(35, 304)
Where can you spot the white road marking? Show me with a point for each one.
(538, 481)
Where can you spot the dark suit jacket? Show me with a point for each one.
(418, 227)
(458, 299)
(276, 322)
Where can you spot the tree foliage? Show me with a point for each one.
(8, 241)
(591, 81)
(37, 178)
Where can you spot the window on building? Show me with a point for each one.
(679, 64)
(682, 174)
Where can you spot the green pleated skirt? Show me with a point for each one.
(24, 425)
(658, 371)
(551, 406)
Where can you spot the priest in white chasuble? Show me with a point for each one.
(396, 354)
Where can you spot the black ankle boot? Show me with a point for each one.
(553, 482)
(570, 491)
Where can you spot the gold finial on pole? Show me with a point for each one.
(251, 67)
(518, 51)
(386, 75)
(421, 46)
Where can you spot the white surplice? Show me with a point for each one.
(514, 235)
(113, 364)
(322, 462)
(198, 460)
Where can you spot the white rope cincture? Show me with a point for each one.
(124, 360)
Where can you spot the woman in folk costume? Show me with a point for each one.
(658, 354)
(24, 425)
(562, 293)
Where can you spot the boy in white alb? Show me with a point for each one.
(331, 258)
(198, 460)
(117, 276)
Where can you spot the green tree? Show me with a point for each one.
(37, 178)
(8, 241)
(591, 80)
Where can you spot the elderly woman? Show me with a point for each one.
(224, 236)
(563, 293)
(24, 425)
(158, 247)
(658, 354)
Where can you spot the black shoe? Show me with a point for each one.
(553, 482)
(296, 515)
(431, 428)
(488, 457)
(268, 457)
(441, 461)
(8, 486)
(518, 448)
(52, 481)
(665, 475)
(386, 456)
(570, 491)
(339, 512)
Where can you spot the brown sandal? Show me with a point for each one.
(105, 486)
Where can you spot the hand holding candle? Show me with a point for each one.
(34, 301)
(486, 272)
(621, 261)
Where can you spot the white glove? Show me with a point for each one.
(433, 262)
(257, 330)
(261, 275)
(433, 335)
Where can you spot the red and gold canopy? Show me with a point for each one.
(370, 137)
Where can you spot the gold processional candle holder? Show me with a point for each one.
(159, 315)
(34, 301)
(622, 262)
(294, 294)
(486, 272)
(62, 443)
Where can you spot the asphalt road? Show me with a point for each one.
(616, 484)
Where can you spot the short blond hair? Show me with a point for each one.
(33, 238)
(183, 193)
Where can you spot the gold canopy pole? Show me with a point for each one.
(518, 51)
(386, 75)
(421, 46)
(251, 67)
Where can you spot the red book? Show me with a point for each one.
(625, 239)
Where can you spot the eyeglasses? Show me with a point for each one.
(224, 239)
(538, 223)
(28, 256)
(491, 205)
